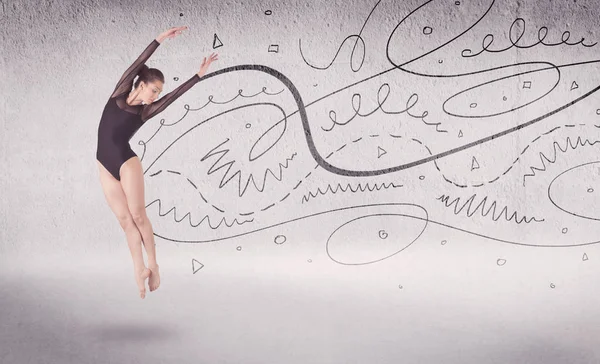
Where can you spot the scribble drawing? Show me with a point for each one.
(188, 215)
(483, 210)
(359, 187)
(242, 187)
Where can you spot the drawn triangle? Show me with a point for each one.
(474, 164)
(574, 86)
(196, 265)
(585, 257)
(380, 152)
(217, 42)
(460, 134)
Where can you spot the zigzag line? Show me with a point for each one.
(359, 187)
(481, 207)
(188, 215)
(229, 165)
(555, 144)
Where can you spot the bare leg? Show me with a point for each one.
(117, 201)
(132, 181)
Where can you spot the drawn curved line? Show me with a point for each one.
(379, 205)
(469, 203)
(387, 47)
(552, 66)
(560, 208)
(382, 214)
(497, 178)
(359, 38)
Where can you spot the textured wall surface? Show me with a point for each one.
(351, 182)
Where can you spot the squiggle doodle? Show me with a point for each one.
(339, 187)
(189, 217)
(482, 207)
(555, 148)
(410, 103)
(489, 39)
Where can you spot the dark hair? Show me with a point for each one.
(147, 75)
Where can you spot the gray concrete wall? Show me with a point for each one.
(431, 159)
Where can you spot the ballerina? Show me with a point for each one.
(121, 173)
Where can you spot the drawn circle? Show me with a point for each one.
(597, 111)
(501, 262)
(176, 78)
(440, 61)
(248, 125)
(310, 260)
(564, 230)
(504, 98)
(421, 177)
(457, 3)
(268, 12)
(239, 248)
(180, 14)
(350, 244)
(552, 285)
(444, 242)
(383, 234)
(473, 105)
(427, 30)
(400, 286)
(280, 239)
(590, 190)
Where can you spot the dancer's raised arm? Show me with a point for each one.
(126, 82)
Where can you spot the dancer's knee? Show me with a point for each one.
(139, 217)
(126, 221)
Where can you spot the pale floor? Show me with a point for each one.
(287, 310)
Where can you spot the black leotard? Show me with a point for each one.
(120, 120)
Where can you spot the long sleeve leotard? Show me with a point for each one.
(120, 120)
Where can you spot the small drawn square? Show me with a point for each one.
(274, 48)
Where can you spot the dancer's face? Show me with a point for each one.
(150, 91)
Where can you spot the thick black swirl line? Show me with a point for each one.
(360, 173)
(356, 36)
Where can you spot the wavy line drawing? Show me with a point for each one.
(359, 187)
(481, 207)
(189, 217)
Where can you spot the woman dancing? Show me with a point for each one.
(121, 174)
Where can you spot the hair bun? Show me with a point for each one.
(143, 69)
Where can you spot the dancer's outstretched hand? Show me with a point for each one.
(171, 33)
(206, 63)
